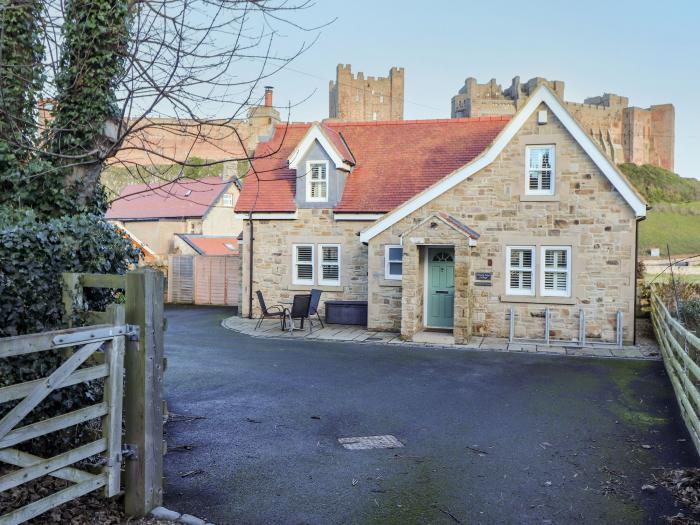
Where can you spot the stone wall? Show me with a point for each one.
(356, 98)
(586, 213)
(626, 134)
(272, 256)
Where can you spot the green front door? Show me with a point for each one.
(441, 288)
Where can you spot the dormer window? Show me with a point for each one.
(539, 177)
(317, 181)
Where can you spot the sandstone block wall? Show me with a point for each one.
(586, 213)
(359, 98)
(272, 257)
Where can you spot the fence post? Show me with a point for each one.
(72, 295)
(144, 392)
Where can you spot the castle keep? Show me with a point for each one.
(356, 98)
(627, 134)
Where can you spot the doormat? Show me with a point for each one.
(369, 442)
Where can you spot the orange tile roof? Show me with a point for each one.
(395, 160)
(211, 245)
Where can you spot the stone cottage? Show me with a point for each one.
(447, 224)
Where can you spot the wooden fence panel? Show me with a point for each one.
(205, 279)
(181, 276)
(679, 348)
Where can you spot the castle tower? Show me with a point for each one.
(356, 98)
(626, 134)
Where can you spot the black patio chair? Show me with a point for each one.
(273, 312)
(313, 307)
(300, 310)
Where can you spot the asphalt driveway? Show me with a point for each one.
(489, 437)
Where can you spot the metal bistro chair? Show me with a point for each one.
(274, 312)
(300, 310)
(313, 307)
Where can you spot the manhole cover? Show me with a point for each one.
(368, 442)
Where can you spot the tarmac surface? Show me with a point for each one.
(488, 437)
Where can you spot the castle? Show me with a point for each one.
(626, 134)
(356, 98)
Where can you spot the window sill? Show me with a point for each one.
(396, 283)
(309, 287)
(539, 198)
(536, 299)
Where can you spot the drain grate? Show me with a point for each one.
(369, 442)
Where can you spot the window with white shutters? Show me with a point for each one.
(329, 264)
(393, 262)
(540, 170)
(317, 182)
(520, 270)
(555, 277)
(303, 264)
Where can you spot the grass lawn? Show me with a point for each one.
(675, 224)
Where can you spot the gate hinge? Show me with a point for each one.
(134, 331)
(129, 451)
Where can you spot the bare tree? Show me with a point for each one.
(192, 68)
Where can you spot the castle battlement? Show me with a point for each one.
(626, 133)
(356, 97)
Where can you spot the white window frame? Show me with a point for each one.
(295, 262)
(533, 269)
(553, 160)
(329, 282)
(543, 269)
(227, 200)
(387, 263)
(309, 164)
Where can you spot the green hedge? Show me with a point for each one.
(33, 255)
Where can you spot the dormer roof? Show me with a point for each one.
(330, 140)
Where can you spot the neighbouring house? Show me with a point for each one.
(447, 224)
(155, 215)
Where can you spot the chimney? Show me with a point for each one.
(268, 96)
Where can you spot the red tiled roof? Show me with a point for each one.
(184, 198)
(395, 160)
(206, 245)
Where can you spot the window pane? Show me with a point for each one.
(331, 272)
(547, 180)
(329, 254)
(395, 268)
(395, 253)
(534, 180)
(305, 272)
(305, 253)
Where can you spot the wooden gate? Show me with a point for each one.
(124, 346)
(102, 348)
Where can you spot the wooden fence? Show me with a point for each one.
(681, 351)
(204, 279)
(126, 346)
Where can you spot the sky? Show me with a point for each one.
(646, 51)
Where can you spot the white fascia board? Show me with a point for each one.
(357, 216)
(267, 216)
(315, 133)
(543, 94)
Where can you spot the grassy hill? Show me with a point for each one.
(675, 214)
(660, 185)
